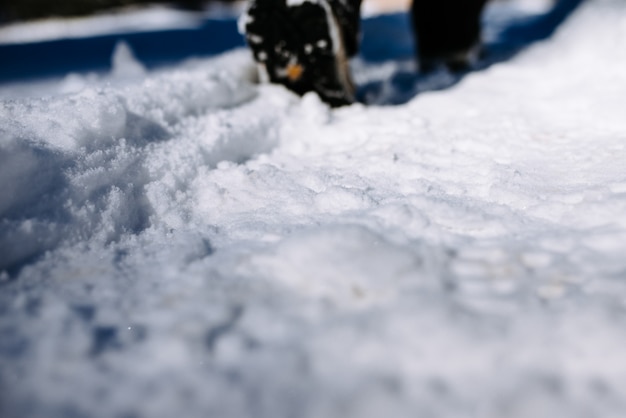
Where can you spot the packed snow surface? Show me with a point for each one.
(188, 243)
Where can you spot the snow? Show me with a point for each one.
(124, 20)
(124, 62)
(185, 242)
(295, 3)
(133, 20)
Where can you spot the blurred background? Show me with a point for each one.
(14, 10)
(40, 38)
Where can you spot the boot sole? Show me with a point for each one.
(298, 44)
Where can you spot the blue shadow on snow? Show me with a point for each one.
(59, 57)
(396, 29)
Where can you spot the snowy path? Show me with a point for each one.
(192, 244)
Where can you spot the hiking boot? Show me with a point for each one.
(301, 45)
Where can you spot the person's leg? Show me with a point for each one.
(447, 31)
(304, 44)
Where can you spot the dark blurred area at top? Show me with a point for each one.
(12, 10)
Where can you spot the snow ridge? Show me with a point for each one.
(76, 168)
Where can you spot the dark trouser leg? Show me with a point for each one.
(447, 31)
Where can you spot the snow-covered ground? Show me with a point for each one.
(184, 242)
